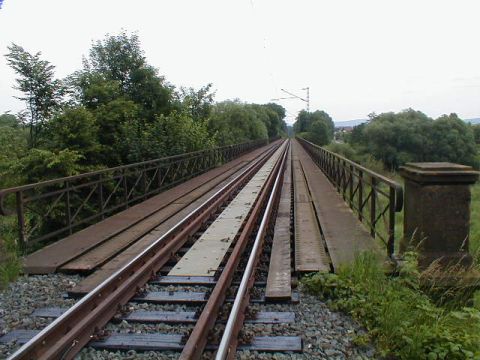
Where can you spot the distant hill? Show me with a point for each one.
(473, 121)
(350, 123)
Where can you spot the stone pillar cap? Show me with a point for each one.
(439, 173)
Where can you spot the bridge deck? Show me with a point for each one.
(344, 235)
(205, 256)
(310, 252)
(279, 281)
(117, 232)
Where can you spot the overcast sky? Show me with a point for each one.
(356, 56)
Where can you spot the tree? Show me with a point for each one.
(398, 138)
(119, 59)
(8, 120)
(319, 133)
(75, 129)
(233, 122)
(452, 140)
(476, 133)
(111, 119)
(411, 136)
(317, 127)
(302, 122)
(197, 103)
(42, 92)
(171, 134)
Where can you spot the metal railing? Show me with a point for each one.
(372, 196)
(53, 208)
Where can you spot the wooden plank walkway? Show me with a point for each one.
(206, 255)
(310, 253)
(133, 219)
(107, 269)
(344, 235)
(279, 280)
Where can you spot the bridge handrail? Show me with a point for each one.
(111, 189)
(361, 189)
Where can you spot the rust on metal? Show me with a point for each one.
(279, 280)
(88, 198)
(107, 269)
(70, 332)
(205, 256)
(374, 197)
(106, 250)
(344, 234)
(310, 254)
(129, 224)
(196, 343)
(229, 342)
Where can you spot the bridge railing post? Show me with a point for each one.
(437, 212)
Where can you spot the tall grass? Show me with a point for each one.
(475, 222)
(402, 320)
(10, 265)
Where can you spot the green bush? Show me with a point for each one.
(400, 318)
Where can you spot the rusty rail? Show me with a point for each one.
(372, 196)
(198, 339)
(66, 335)
(53, 208)
(229, 342)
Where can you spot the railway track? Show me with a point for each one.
(217, 305)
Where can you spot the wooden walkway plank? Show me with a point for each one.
(105, 251)
(344, 235)
(279, 280)
(49, 258)
(206, 255)
(310, 253)
(112, 265)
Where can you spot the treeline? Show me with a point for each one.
(117, 109)
(411, 136)
(389, 140)
(317, 127)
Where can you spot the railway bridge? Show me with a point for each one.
(208, 233)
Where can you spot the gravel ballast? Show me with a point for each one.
(325, 334)
(27, 293)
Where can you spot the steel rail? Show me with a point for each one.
(65, 336)
(228, 344)
(197, 340)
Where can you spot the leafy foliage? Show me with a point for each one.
(42, 92)
(316, 127)
(115, 110)
(400, 318)
(233, 122)
(411, 136)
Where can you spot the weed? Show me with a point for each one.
(9, 271)
(402, 320)
(10, 265)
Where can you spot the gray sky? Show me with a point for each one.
(356, 56)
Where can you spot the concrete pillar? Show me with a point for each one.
(437, 211)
